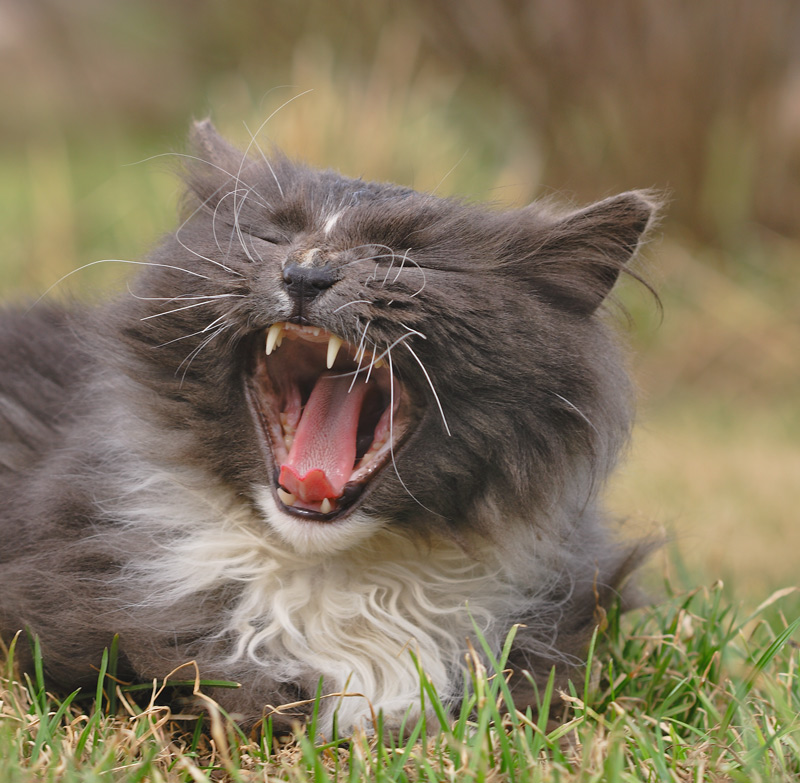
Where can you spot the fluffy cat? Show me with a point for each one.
(331, 422)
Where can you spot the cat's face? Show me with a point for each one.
(349, 355)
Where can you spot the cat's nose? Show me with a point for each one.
(305, 282)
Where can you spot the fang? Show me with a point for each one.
(287, 498)
(273, 337)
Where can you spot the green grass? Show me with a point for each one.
(689, 689)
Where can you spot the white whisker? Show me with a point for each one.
(391, 438)
(177, 310)
(114, 261)
(183, 337)
(576, 409)
(355, 301)
(200, 255)
(360, 353)
(261, 127)
(216, 321)
(389, 269)
(264, 203)
(238, 227)
(402, 264)
(430, 383)
(263, 156)
(424, 278)
(455, 166)
(180, 297)
(195, 353)
(233, 193)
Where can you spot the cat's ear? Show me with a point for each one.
(212, 167)
(579, 258)
(210, 148)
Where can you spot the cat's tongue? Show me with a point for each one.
(324, 447)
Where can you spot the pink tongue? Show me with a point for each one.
(324, 447)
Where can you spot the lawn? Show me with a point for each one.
(691, 689)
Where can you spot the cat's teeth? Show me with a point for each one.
(274, 336)
(334, 344)
(378, 363)
(287, 498)
(325, 507)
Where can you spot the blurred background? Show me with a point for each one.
(501, 100)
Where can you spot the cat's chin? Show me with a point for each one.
(330, 415)
(311, 537)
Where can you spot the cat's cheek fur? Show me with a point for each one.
(308, 537)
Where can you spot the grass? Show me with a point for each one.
(689, 690)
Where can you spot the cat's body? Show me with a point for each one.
(165, 478)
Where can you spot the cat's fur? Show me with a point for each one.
(138, 482)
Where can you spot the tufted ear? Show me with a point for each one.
(580, 256)
(212, 166)
(211, 148)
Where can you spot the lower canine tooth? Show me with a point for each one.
(287, 498)
(325, 507)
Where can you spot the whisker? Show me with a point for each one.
(402, 264)
(180, 297)
(576, 409)
(424, 278)
(391, 439)
(186, 155)
(355, 301)
(200, 255)
(114, 261)
(389, 269)
(360, 355)
(216, 321)
(238, 227)
(413, 331)
(375, 359)
(178, 339)
(194, 354)
(454, 167)
(177, 310)
(216, 210)
(261, 152)
(368, 258)
(430, 383)
(204, 330)
(261, 127)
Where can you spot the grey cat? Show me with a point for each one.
(332, 423)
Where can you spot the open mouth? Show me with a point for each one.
(331, 413)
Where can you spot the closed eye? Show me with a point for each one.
(270, 237)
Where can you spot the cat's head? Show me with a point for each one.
(349, 355)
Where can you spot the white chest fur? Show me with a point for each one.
(352, 617)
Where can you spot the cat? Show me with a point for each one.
(330, 424)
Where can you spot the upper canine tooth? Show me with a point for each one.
(334, 344)
(273, 336)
